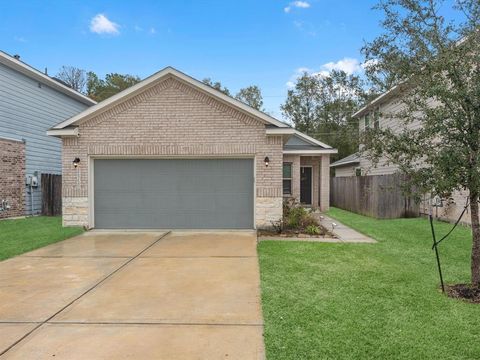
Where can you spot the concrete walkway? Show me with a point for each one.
(180, 295)
(342, 232)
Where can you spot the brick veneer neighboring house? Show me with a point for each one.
(12, 173)
(206, 160)
(30, 103)
(380, 113)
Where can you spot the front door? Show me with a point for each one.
(306, 185)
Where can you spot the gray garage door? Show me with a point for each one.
(174, 194)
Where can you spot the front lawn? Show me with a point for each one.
(368, 301)
(22, 235)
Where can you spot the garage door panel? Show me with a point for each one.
(174, 193)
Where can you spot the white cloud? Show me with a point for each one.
(296, 4)
(349, 65)
(138, 28)
(153, 30)
(100, 24)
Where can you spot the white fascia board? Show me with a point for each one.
(280, 131)
(375, 101)
(345, 163)
(310, 152)
(63, 132)
(151, 81)
(33, 73)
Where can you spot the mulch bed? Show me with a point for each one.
(464, 292)
(287, 233)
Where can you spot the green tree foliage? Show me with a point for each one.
(252, 96)
(322, 107)
(101, 89)
(216, 85)
(436, 66)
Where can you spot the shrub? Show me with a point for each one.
(296, 217)
(309, 220)
(278, 226)
(312, 230)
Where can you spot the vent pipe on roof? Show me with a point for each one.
(16, 56)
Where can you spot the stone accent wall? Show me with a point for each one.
(12, 177)
(268, 210)
(75, 211)
(172, 119)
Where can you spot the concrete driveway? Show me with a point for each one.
(149, 295)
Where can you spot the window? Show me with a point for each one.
(358, 172)
(367, 121)
(287, 179)
(376, 118)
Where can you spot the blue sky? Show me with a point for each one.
(236, 42)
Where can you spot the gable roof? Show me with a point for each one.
(152, 81)
(33, 73)
(349, 160)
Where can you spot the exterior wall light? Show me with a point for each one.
(76, 161)
(267, 161)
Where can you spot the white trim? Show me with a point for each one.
(12, 139)
(345, 163)
(91, 192)
(63, 132)
(292, 131)
(151, 81)
(29, 71)
(375, 101)
(280, 131)
(310, 152)
(91, 183)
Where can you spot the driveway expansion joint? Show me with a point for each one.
(85, 292)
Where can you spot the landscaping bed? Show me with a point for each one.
(296, 222)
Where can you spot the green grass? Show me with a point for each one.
(368, 301)
(22, 235)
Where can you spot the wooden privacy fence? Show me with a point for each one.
(51, 194)
(378, 196)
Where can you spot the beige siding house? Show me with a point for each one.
(172, 152)
(381, 113)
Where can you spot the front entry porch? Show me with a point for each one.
(307, 179)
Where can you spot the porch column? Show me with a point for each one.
(316, 161)
(325, 183)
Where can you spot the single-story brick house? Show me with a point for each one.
(172, 152)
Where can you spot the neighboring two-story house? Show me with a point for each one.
(31, 102)
(373, 116)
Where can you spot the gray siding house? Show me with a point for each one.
(30, 103)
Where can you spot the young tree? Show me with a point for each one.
(74, 77)
(252, 96)
(322, 106)
(216, 85)
(101, 89)
(436, 66)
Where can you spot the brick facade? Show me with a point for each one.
(173, 119)
(12, 177)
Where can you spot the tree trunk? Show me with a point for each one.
(475, 266)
